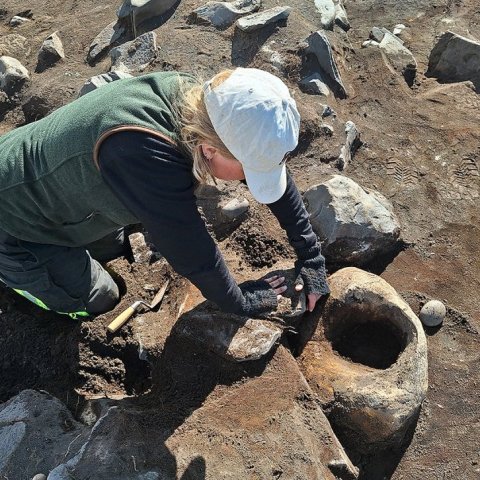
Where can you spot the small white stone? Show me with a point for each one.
(17, 20)
(370, 43)
(398, 29)
(39, 476)
(433, 313)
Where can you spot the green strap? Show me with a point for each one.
(39, 303)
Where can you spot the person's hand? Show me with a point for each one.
(311, 276)
(312, 298)
(276, 283)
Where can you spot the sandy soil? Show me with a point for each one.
(421, 150)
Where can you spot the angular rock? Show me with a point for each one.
(400, 57)
(377, 33)
(319, 46)
(370, 43)
(36, 430)
(135, 12)
(105, 39)
(455, 59)
(235, 208)
(14, 45)
(341, 18)
(50, 52)
(17, 21)
(223, 14)
(142, 251)
(367, 361)
(260, 20)
(136, 55)
(326, 8)
(234, 338)
(398, 29)
(354, 224)
(12, 74)
(314, 84)
(100, 80)
(352, 143)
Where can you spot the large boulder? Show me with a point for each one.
(223, 14)
(36, 433)
(367, 361)
(355, 224)
(455, 59)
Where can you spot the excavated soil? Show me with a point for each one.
(420, 149)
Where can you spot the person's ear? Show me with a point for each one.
(208, 151)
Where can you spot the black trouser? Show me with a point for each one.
(63, 279)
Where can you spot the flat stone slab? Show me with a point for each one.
(260, 20)
(319, 46)
(100, 80)
(223, 14)
(136, 55)
(400, 57)
(455, 59)
(234, 338)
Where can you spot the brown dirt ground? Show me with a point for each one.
(421, 150)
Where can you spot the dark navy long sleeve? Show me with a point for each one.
(155, 182)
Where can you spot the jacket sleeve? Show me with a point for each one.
(293, 218)
(155, 183)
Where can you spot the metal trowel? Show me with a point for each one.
(126, 314)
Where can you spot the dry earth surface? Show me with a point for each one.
(421, 150)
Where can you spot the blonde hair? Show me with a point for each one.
(196, 128)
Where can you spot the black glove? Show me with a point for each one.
(310, 271)
(258, 298)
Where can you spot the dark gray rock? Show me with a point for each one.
(341, 18)
(36, 431)
(377, 33)
(314, 84)
(354, 224)
(50, 52)
(136, 55)
(12, 74)
(100, 80)
(455, 59)
(352, 143)
(104, 40)
(223, 14)
(319, 46)
(133, 13)
(262, 19)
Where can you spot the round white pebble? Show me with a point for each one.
(39, 476)
(433, 313)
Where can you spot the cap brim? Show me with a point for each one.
(267, 187)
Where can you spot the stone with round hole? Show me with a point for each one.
(366, 360)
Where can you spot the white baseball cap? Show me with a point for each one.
(257, 120)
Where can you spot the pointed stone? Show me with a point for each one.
(319, 45)
(50, 52)
(100, 80)
(314, 84)
(400, 57)
(352, 143)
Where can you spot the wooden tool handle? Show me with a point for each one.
(121, 320)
